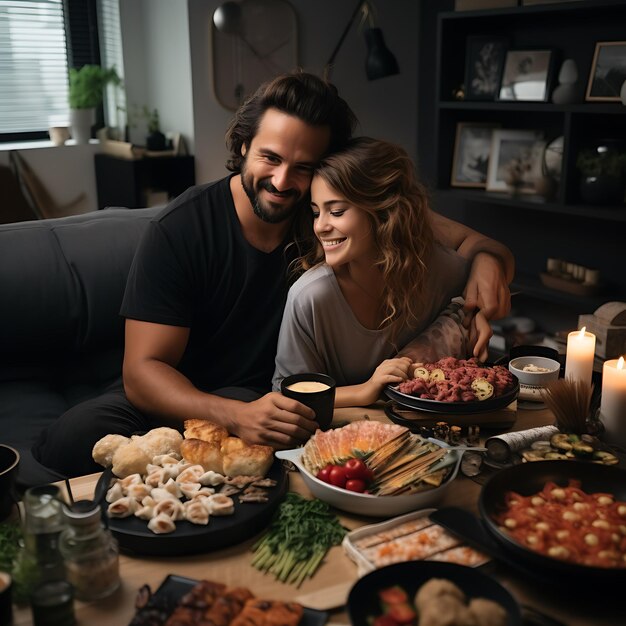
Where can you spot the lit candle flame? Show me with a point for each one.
(581, 334)
(620, 363)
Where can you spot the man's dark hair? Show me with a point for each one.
(305, 96)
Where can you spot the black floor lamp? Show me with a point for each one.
(379, 62)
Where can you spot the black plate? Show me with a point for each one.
(363, 602)
(529, 478)
(436, 406)
(173, 588)
(248, 519)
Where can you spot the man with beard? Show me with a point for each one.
(207, 287)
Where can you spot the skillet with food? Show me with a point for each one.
(607, 483)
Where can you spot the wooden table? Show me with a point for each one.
(232, 565)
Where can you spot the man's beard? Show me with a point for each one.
(270, 215)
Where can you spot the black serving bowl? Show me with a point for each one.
(363, 602)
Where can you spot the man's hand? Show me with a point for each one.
(274, 420)
(487, 289)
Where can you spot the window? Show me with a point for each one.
(39, 40)
(33, 67)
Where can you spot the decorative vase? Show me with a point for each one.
(81, 121)
(156, 141)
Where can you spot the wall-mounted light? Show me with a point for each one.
(379, 62)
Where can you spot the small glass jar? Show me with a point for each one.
(43, 523)
(90, 552)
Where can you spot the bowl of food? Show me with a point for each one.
(565, 519)
(433, 593)
(356, 469)
(537, 371)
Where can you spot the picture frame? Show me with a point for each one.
(484, 60)
(527, 75)
(522, 149)
(608, 72)
(472, 149)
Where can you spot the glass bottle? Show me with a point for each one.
(43, 523)
(90, 552)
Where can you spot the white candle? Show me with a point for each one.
(581, 347)
(613, 403)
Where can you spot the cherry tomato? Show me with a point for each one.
(338, 476)
(324, 473)
(354, 484)
(355, 468)
(385, 620)
(393, 595)
(402, 613)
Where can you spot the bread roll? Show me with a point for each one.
(242, 459)
(202, 453)
(205, 431)
(105, 448)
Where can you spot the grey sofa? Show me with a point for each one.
(61, 336)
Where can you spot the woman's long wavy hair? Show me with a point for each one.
(379, 178)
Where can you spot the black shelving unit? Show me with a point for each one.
(535, 229)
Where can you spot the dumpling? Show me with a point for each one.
(172, 508)
(437, 587)
(156, 478)
(166, 459)
(138, 491)
(145, 512)
(211, 478)
(445, 610)
(115, 492)
(220, 504)
(173, 487)
(148, 501)
(190, 474)
(196, 512)
(162, 494)
(189, 489)
(124, 507)
(487, 612)
(131, 479)
(161, 524)
(103, 450)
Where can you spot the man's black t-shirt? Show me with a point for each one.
(195, 269)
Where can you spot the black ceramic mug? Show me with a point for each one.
(317, 391)
(9, 462)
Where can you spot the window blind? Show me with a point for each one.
(111, 54)
(33, 66)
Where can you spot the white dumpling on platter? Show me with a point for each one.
(211, 479)
(190, 474)
(172, 508)
(166, 459)
(115, 492)
(161, 524)
(131, 479)
(145, 512)
(173, 487)
(124, 507)
(219, 504)
(196, 512)
(162, 494)
(189, 490)
(156, 478)
(138, 491)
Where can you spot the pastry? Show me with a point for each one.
(199, 452)
(205, 430)
(242, 459)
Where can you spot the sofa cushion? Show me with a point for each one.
(62, 282)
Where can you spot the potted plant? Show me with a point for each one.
(86, 92)
(155, 139)
(603, 170)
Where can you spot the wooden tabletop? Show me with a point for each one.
(232, 565)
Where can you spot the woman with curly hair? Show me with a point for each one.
(377, 292)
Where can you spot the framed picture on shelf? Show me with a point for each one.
(484, 58)
(608, 72)
(472, 148)
(515, 161)
(527, 75)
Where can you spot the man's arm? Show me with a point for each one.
(154, 385)
(493, 266)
